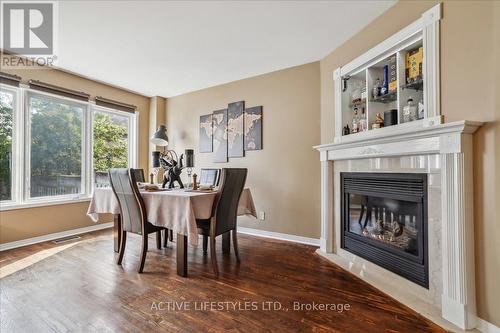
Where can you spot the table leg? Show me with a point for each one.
(117, 231)
(182, 255)
(226, 242)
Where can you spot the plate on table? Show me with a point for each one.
(154, 188)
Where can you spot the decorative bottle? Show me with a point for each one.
(355, 121)
(362, 121)
(409, 111)
(421, 108)
(376, 88)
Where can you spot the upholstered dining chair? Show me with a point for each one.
(139, 175)
(133, 211)
(224, 212)
(209, 177)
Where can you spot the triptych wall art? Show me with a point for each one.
(232, 131)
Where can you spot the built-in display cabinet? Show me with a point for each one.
(394, 86)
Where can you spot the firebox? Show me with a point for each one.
(384, 220)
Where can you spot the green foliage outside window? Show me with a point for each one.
(110, 142)
(5, 145)
(56, 144)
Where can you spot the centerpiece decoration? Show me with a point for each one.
(169, 161)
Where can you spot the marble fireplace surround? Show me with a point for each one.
(444, 152)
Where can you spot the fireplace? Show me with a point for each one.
(384, 220)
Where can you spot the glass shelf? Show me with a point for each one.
(387, 98)
(358, 103)
(418, 85)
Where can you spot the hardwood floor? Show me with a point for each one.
(78, 287)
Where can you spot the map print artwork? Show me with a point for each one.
(230, 132)
(253, 128)
(206, 134)
(219, 120)
(235, 129)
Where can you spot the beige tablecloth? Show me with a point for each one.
(175, 209)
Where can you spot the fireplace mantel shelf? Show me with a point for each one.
(402, 141)
(452, 142)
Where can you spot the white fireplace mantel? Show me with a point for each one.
(453, 143)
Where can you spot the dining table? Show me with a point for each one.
(175, 209)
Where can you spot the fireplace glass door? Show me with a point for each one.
(385, 221)
(395, 224)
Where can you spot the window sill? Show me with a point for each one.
(40, 203)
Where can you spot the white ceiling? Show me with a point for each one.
(166, 48)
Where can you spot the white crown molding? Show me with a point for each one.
(56, 235)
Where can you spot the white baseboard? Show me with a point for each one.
(486, 327)
(279, 235)
(56, 235)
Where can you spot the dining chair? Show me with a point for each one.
(224, 212)
(209, 177)
(139, 175)
(133, 211)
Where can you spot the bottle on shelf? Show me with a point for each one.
(376, 88)
(363, 94)
(385, 84)
(362, 121)
(383, 89)
(410, 111)
(421, 108)
(355, 121)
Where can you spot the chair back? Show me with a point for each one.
(229, 193)
(209, 177)
(133, 211)
(139, 175)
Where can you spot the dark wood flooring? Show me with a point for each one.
(77, 287)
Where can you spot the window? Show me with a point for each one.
(111, 143)
(7, 100)
(55, 148)
(56, 152)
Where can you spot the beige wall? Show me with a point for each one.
(470, 75)
(31, 222)
(284, 177)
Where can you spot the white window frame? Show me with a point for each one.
(27, 156)
(21, 154)
(15, 173)
(132, 143)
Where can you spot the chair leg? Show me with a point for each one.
(143, 252)
(235, 245)
(158, 239)
(205, 244)
(165, 241)
(213, 256)
(122, 247)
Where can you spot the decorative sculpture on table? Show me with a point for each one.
(168, 159)
(172, 168)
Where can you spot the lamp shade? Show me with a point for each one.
(156, 159)
(189, 158)
(160, 137)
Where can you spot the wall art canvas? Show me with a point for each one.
(253, 128)
(205, 130)
(219, 119)
(235, 129)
